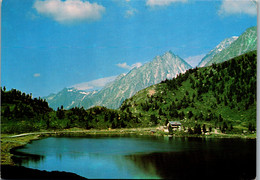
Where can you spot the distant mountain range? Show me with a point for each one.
(68, 97)
(112, 95)
(160, 68)
(232, 47)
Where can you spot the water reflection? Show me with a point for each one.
(25, 158)
(224, 161)
(144, 157)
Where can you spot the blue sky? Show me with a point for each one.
(47, 45)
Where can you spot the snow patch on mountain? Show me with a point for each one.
(220, 47)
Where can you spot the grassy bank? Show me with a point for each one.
(8, 143)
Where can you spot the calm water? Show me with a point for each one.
(143, 157)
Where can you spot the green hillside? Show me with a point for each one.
(220, 96)
(22, 113)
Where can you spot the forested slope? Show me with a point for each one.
(220, 96)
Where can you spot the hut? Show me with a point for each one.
(176, 125)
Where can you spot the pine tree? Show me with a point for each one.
(204, 128)
(153, 119)
(7, 112)
(190, 131)
(190, 114)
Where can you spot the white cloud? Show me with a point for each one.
(131, 12)
(233, 7)
(154, 3)
(126, 66)
(69, 11)
(36, 75)
(95, 84)
(194, 60)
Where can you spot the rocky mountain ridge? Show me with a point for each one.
(113, 94)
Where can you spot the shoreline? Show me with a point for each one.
(154, 131)
(9, 143)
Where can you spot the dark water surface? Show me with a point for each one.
(143, 157)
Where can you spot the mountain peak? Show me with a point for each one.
(169, 54)
(231, 47)
(169, 58)
(246, 42)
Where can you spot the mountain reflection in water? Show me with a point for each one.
(224, 159)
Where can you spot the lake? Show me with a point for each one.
(120, 157)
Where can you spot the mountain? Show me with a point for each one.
(221, 96)
(245, 43)
(220, 47)
(113, 94)
(162, 67)
(68, 97)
